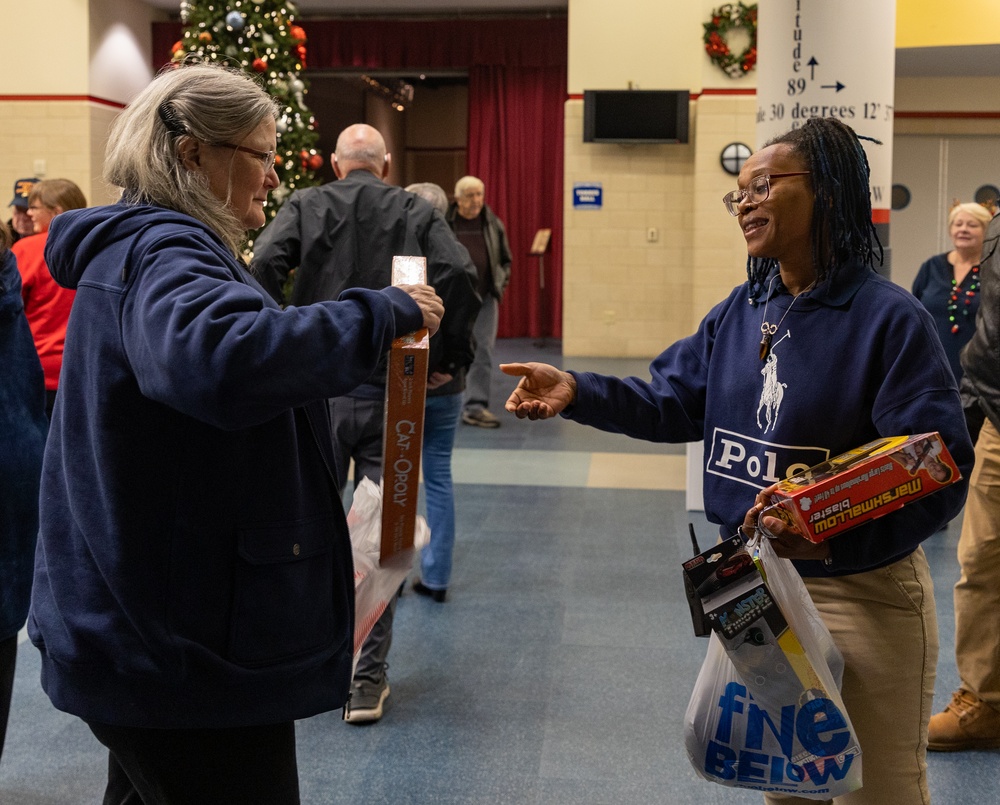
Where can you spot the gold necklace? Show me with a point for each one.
(767, 330)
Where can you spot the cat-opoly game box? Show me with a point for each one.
(403, 432)
(864, 483)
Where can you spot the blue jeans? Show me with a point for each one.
(440, 422)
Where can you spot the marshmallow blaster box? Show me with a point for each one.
(403, 431)
(862, 484)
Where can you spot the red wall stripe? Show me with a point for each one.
(60, 98)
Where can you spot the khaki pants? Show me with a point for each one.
(885, 625)
(977, 594)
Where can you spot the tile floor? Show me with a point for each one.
(560, 667)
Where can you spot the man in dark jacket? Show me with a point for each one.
(344, 235)
(972, 719)
(483, 234)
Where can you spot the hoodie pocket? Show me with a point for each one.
(283, 592)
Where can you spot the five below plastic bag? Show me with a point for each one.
(375, 584)
(778, 723)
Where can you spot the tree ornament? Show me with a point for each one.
(315, 162)
(725, 19)
(263, 39)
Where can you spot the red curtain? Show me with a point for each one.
(517, 91)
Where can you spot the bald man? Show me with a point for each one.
(343, 235)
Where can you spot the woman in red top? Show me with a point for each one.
(46, 303)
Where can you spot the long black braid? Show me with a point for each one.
(842, 228)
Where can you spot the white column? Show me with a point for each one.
(819, 58)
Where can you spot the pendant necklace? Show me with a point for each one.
(767, 330)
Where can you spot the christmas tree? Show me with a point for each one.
(263, 39)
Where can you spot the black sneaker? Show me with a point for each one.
(422, 589)
(367, 698)
(481, 419)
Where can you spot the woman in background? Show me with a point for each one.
(948, 284)
(46, 303)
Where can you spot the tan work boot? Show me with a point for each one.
(966, 723)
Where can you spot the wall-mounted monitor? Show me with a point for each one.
(635, 115)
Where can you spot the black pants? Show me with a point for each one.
(8, 657)
(237, 766)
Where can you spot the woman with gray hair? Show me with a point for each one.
(193, 592)
(948, 284)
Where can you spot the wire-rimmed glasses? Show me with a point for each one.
(266, 157)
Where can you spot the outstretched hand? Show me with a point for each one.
(542, 392)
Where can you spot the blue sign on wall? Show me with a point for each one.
(587, 196)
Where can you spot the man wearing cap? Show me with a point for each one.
(20, 224)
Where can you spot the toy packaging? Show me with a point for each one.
(403, 432)
(766, 712)
(862, 484)
(733, 601)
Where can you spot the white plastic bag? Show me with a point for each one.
(375, 583)
(778, 723)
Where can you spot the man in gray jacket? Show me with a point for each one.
(483, 234)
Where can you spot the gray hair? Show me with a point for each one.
(468, 183)
(208, 102)
(432, 193)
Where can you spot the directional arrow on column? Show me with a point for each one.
(812, 68)
(838, 86)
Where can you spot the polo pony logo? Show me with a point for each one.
(774, 390)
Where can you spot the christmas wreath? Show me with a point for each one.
(725, 19)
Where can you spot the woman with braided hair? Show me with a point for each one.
(855, 357)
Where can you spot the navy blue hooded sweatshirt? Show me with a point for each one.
(194, 565)
(853, 360)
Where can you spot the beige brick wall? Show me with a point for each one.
(64, 138)
(624, 295)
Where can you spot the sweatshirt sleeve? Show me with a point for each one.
(202, 337)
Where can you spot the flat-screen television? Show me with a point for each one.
(635, 115)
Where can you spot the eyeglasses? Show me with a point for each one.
(757, 190)
(266, 157)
